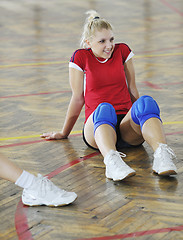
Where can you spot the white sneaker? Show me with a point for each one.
(44, 192)
(116, 168)
(163, 161)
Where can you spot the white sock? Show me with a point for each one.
(25, 180)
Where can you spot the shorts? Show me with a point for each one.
(120, 142)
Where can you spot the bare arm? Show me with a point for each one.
(76, 103)
(130, 76)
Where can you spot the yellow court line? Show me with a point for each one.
(158, 55)
(171, 123)
(73, 132)
(32, 64)
(33, 136)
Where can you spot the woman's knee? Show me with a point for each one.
(104, 114)
(143, 109)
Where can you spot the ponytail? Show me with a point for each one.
(93, 23)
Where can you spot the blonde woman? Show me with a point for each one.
(102, 77)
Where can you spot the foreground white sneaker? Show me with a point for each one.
(116, 168)
(163, 161)
(44, 192)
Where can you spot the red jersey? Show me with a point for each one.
(104, 80)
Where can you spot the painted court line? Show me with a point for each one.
(22, 143)
(35, 94)
(32, 64)
(174, 133)
(152, 85)
(137, 234)
(159, 55)
(172, 123)
(172, 7)
(31, 142)
(35, 136)
(21, 224)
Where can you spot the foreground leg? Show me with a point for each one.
(37, 190)
(8, 170)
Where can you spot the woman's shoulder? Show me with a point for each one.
(122, 46)
(123, 50)
(80, 53)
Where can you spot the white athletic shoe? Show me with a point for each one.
(116, 168)
(44, 192)
(163, 161)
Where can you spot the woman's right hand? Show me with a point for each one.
(53, 136)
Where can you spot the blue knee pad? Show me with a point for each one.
(104, 114)
(144, 108)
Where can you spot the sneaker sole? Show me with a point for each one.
(37, 205)
(48, 205)
(166, 173)
(120, 179)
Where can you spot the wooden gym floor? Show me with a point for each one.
(37, 39)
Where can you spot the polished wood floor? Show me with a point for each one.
(37, 39)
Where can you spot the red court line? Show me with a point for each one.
(162, 84)
(22, 143)
(174, 133)
(159, 50)
(151, 85)
(68, 165)
(33, 94)
(21, 223)
(32, 142)
(172, 7)
(171, 83)
(136, 234)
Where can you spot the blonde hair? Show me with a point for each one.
(93, 22)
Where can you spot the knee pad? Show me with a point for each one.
(144, 108)
(104, 114)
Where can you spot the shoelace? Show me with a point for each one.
(166, 149)
(122, 154)
(46, 184)
(119, 163)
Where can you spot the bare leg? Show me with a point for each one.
(9, 170)
(153, 133)
(105, 138)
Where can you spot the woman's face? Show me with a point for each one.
(102, 43)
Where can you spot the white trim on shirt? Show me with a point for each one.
(130, 56)
(73, 65)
